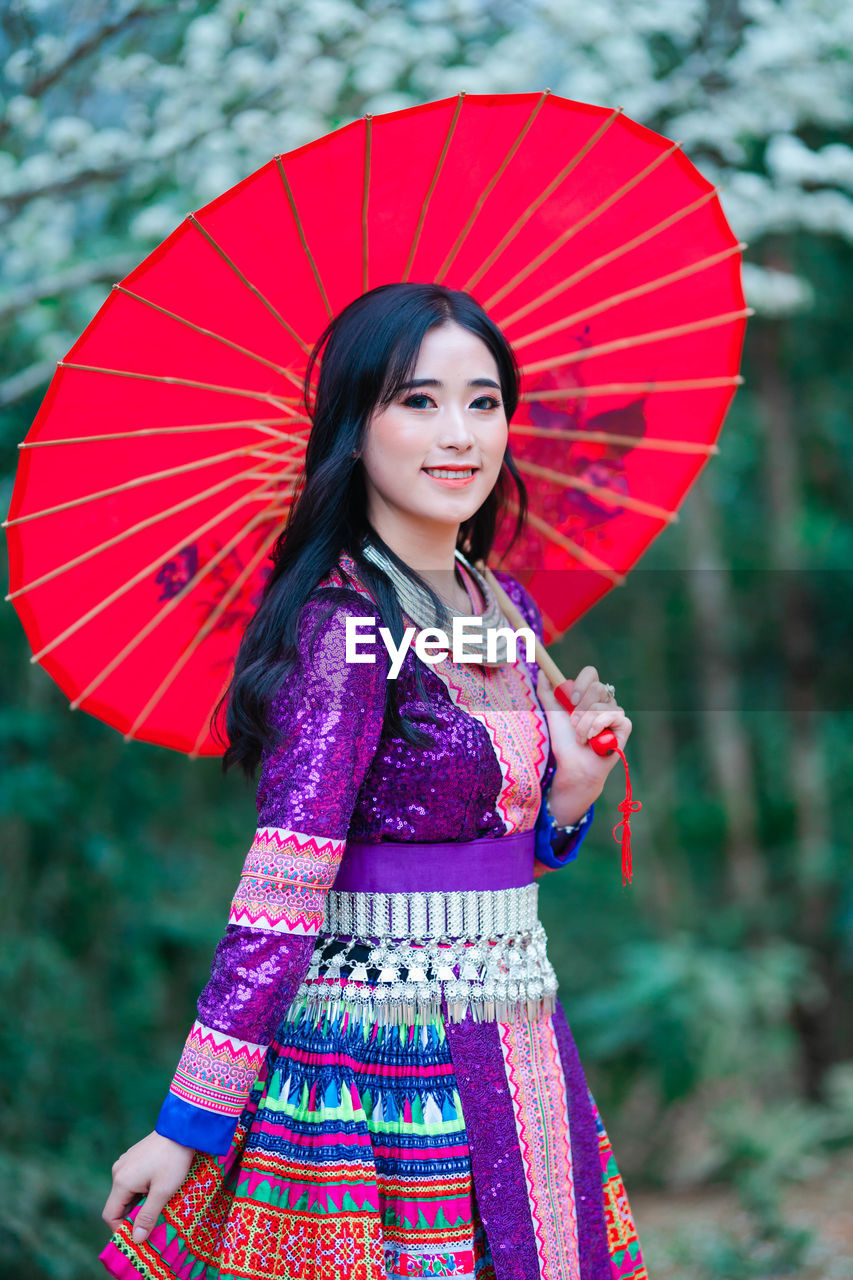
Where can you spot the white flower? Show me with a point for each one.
(154, 222)
(68, 133)
(776, 293)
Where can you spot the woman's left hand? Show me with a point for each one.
(570, 732)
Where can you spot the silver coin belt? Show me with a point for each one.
(478, 951)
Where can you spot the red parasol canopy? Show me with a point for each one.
(161, 464)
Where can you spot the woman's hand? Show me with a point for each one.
(580, 771)
(155, 1167)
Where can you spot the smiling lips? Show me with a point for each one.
(452, 477)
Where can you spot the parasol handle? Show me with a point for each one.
(602, 744)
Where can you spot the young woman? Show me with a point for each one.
(380, 1080)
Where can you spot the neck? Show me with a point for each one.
(425, 548)
(429, 549)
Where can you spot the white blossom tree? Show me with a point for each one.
(119, 116)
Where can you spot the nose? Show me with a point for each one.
(456, 432)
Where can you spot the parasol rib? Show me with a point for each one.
(301, 233)
(209, 333)
(609, 437)
(604, 259)
(520, 222)
(280, 402)
(490, 186)
(206, 724)
(136, 481)
(585, 221)
(438, 167)
(244, 279)
(559, 478)
(172, 603)
(581, 392)
(147, 523)
(365, 199)
(638, 340)
(586, 558)
(264, 425)
(203, 632)
(628, 295)
(73, 627)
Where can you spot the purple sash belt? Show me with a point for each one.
(400, 866)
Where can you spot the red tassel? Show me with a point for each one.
(601, 744)
(626, 808)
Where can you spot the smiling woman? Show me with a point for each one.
(434, 452)
(380, 1079)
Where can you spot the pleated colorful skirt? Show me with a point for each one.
(437, 1149)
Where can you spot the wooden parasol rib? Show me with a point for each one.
(637, 340)
(627, 295)
(490, 186)
(439, 165)
(138, 577)
(206, 723)
(264, 425)
(584, 557)
(301, 233)
(204, 630)
(172, 603)
(581, 392)
(210, 333)
(147, 523)
(280, 402)
(585, 221)
(612, 437)
(555, 182)
(136, 481)
(604, 259)
(226, 258)
(603, 494)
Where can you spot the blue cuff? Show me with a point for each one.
(194, 1127)
(553, 848)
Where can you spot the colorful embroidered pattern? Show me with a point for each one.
(217, 1071)
(504, 701)
(207, 1233)
(285, 880)
(626, 1258)
(350, 1162)
(537, 1088)
(460, 1262)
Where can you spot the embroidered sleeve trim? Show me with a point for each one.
(286, 877)
(217, 1071)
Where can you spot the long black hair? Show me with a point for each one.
(369, 351)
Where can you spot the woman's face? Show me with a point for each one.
(449, 417)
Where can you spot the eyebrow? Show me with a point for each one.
(434, 382)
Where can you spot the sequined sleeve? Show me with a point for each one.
(554, 847)
(328, 715)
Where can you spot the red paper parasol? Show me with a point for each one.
(159, 469)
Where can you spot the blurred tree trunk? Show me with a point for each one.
(725, 740)
(653, 738)
(807, 784)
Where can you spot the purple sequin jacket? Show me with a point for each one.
(337, 773)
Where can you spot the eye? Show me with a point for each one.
(492, 403)
(420, 396)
